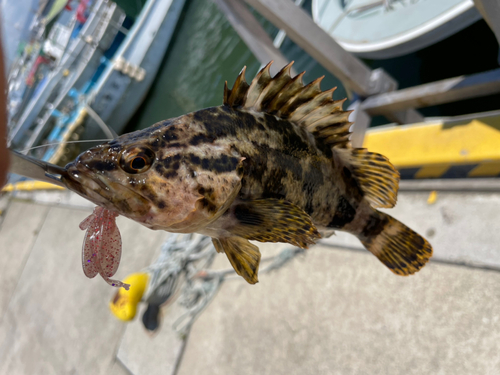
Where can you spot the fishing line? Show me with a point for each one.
(104, 127)
(59, 143)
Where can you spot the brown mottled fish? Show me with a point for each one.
(272, 164)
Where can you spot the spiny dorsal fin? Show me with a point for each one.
(237, 95)
(288, 98)
(375, 174)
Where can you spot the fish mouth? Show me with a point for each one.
(104, 192)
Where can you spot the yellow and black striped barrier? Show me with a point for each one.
(29, 185)
(467, 147)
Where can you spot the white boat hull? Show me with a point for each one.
(378, 33)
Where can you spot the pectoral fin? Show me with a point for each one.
(244, 256)
(274, 220)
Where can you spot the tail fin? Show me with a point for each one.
(401, 249)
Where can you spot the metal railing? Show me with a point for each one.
(377, 89)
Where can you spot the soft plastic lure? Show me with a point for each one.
(102, 246)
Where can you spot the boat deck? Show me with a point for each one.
(334, 310)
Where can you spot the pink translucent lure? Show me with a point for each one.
(102, 246)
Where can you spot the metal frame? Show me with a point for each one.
(252, 33)
(376, 88)
(445, 91)
(299, 27)
(490, 11)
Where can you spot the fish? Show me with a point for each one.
(273, 163)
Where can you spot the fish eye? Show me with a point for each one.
(137, 160)
(138, 163)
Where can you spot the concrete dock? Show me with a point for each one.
(333, 310)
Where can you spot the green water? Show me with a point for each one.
(131, 7)
(204, 53)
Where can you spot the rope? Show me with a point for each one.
(184, 260)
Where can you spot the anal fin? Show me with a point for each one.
(273, 220)
(244, 256)
(376, 176)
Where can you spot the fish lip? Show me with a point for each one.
(83, 186)
(75, 169)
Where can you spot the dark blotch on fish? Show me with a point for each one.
(176, 144)
(167, 162)
(207, 192)
(313, 177)
(295, 144)
(157, 144)
(170, 133)
(246, 216)
(274, 187)
(247, 122)
(201, 138)
(220, 165)
(375, 225)
(353, 183)
(208, 205)
(344, 214)
(101, 165)
(217, 122)
(170, 174)
(195, 159)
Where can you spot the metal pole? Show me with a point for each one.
(444, 91)
(490, 11)
(252, 33)
(353, 73)
(361, 121)
(299, 27)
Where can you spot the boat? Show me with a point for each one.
(381, 29)
(126, 78)
(96, 82)
(71, 60)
